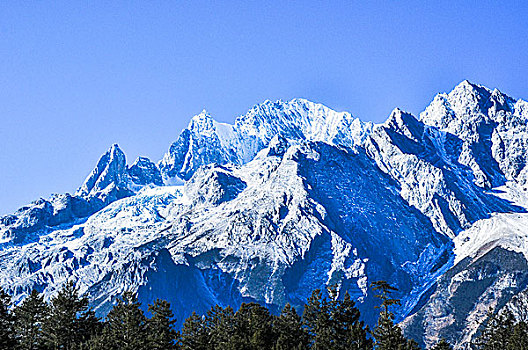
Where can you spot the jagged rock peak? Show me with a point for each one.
(466, 103)
(398, 118)
(110, 169)
(208, 141)
(278, 146)
(201, 122)
(111, 179)
(143, 171)
(295, 196)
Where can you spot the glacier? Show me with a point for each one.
(295, 196)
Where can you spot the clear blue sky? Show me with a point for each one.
(77, 76)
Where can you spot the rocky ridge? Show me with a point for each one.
(295, 196)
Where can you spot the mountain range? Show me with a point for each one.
(295, 196)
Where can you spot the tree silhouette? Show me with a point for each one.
(387, 335)
(29, 316)
(161, 333)
(7, 333)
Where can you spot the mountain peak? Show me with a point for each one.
(292, 197)
(143, 171)
(110, 170)
(469, 86)
(468, 93)
(115, 149)
(399, 117)
(201, 117)
(201, 122)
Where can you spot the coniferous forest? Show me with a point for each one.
(328, 322)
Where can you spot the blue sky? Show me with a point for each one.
(76, 77)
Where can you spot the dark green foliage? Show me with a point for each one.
(7, 333)
(328, 322)
(385, 290)
(497, 332)
(220, 325)
(387, 335)
(334, 324)
(350, 332)
(502, 332)
(161, 333)
(316, 321)
(289, 331)
(253, 328)
(29, 317)
(97, 342)
(443, 345)
(126, 325)
(411, 345)
(194, 335)
(89, 327)
(70, 322)
(358, 338)
(519, 337)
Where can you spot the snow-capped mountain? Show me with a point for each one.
(295, 196)
(206, 141)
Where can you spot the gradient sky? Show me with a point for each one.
(77, 76)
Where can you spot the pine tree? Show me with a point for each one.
(411, 345)
(497, 332)
(358, 337)
(519, 337)
(253, 328)
(349, 332)
(194, 335)
(443, 345)
(220, 325)
(29, 317)
(386, 291)
(161, 333)
(89, 326)
(97, 342)
(316, 321)
(126, 325)
(289, 330)
(387, 335)
(65, 328)
(334, 324)
(7, 333)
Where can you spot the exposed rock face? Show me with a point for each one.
(206, 141)
(456, 305)
(144, 172)
(492, 127)
(109, 181)
(295, 196)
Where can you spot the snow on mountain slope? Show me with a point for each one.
(273, 230)
(293, 210)
(507, 230)
(422, 159)
(456, 305)
(294, 196)
(206, 141)
(490, 269)
(109, 181)
(493, 128)
(490, 265)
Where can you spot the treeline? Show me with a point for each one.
(326, 323)
(503, 331)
